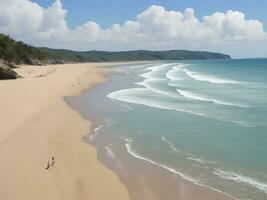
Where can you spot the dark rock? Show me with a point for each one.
(58, 61)
(54, 61)
(6, 72)
(12, 65)
(31, 61)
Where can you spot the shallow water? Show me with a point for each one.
(202, 120)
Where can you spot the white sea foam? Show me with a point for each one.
(200, 160)
(129, 149)
(150, 76)
(144, 96)
(170, 144)
(208, 78)
(230, 175)
(109, 152)
(134, 95)
(140, 66)
(199, 97)
(172, 74)
(154, 69)
(147, 84)
(126, 96)
(159, 67)
(172, 170)
(108, 123)
(96, 130)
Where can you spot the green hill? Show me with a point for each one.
(14, 53)
(139, 55)
(21, 53)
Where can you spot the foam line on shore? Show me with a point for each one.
(174, 171)
(230, 175)
(96, 130)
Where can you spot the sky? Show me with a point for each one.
(235, 27)
(119, 11)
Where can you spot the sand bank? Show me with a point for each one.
(36, 124)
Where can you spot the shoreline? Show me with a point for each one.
(145, 179)
(37, 123)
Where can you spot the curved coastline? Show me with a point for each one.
(122, 162)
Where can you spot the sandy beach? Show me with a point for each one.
(37, 124)
(134, 100)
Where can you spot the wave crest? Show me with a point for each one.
(208, 78)
(229, 175)
(195, 96)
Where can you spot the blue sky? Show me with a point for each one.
(107, 12)
(235, 27)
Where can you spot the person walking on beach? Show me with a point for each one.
(48, 165)
(53, 161)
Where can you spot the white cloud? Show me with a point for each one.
(54, 18)
(19, 17)
(155, 28)
(233, 26)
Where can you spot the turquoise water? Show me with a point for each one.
(205, 120)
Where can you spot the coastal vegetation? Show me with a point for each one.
(21, 53)
(14, 53)
(138, 55)
(18, 52)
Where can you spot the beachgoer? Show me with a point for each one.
(53, 161)
(48, 165)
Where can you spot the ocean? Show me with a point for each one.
(204, 121)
